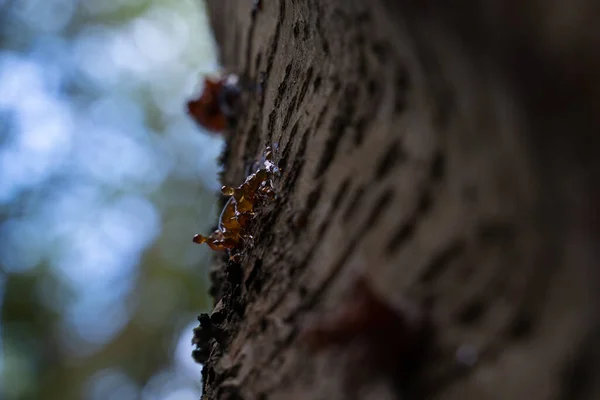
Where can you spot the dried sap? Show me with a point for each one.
(217, 104)
(241, 207)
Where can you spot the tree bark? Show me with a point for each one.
(446, 152)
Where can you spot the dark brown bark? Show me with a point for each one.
(446, 151)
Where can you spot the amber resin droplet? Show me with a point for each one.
(199, 239)
(237, 214)
(227, 190)
(217, 105)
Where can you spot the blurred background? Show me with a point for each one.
(103, 182)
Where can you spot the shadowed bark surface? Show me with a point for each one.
(446, 151)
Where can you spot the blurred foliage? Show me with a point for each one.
(103, 182)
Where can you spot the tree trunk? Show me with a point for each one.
(443, 152)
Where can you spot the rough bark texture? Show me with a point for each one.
(446, 150)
